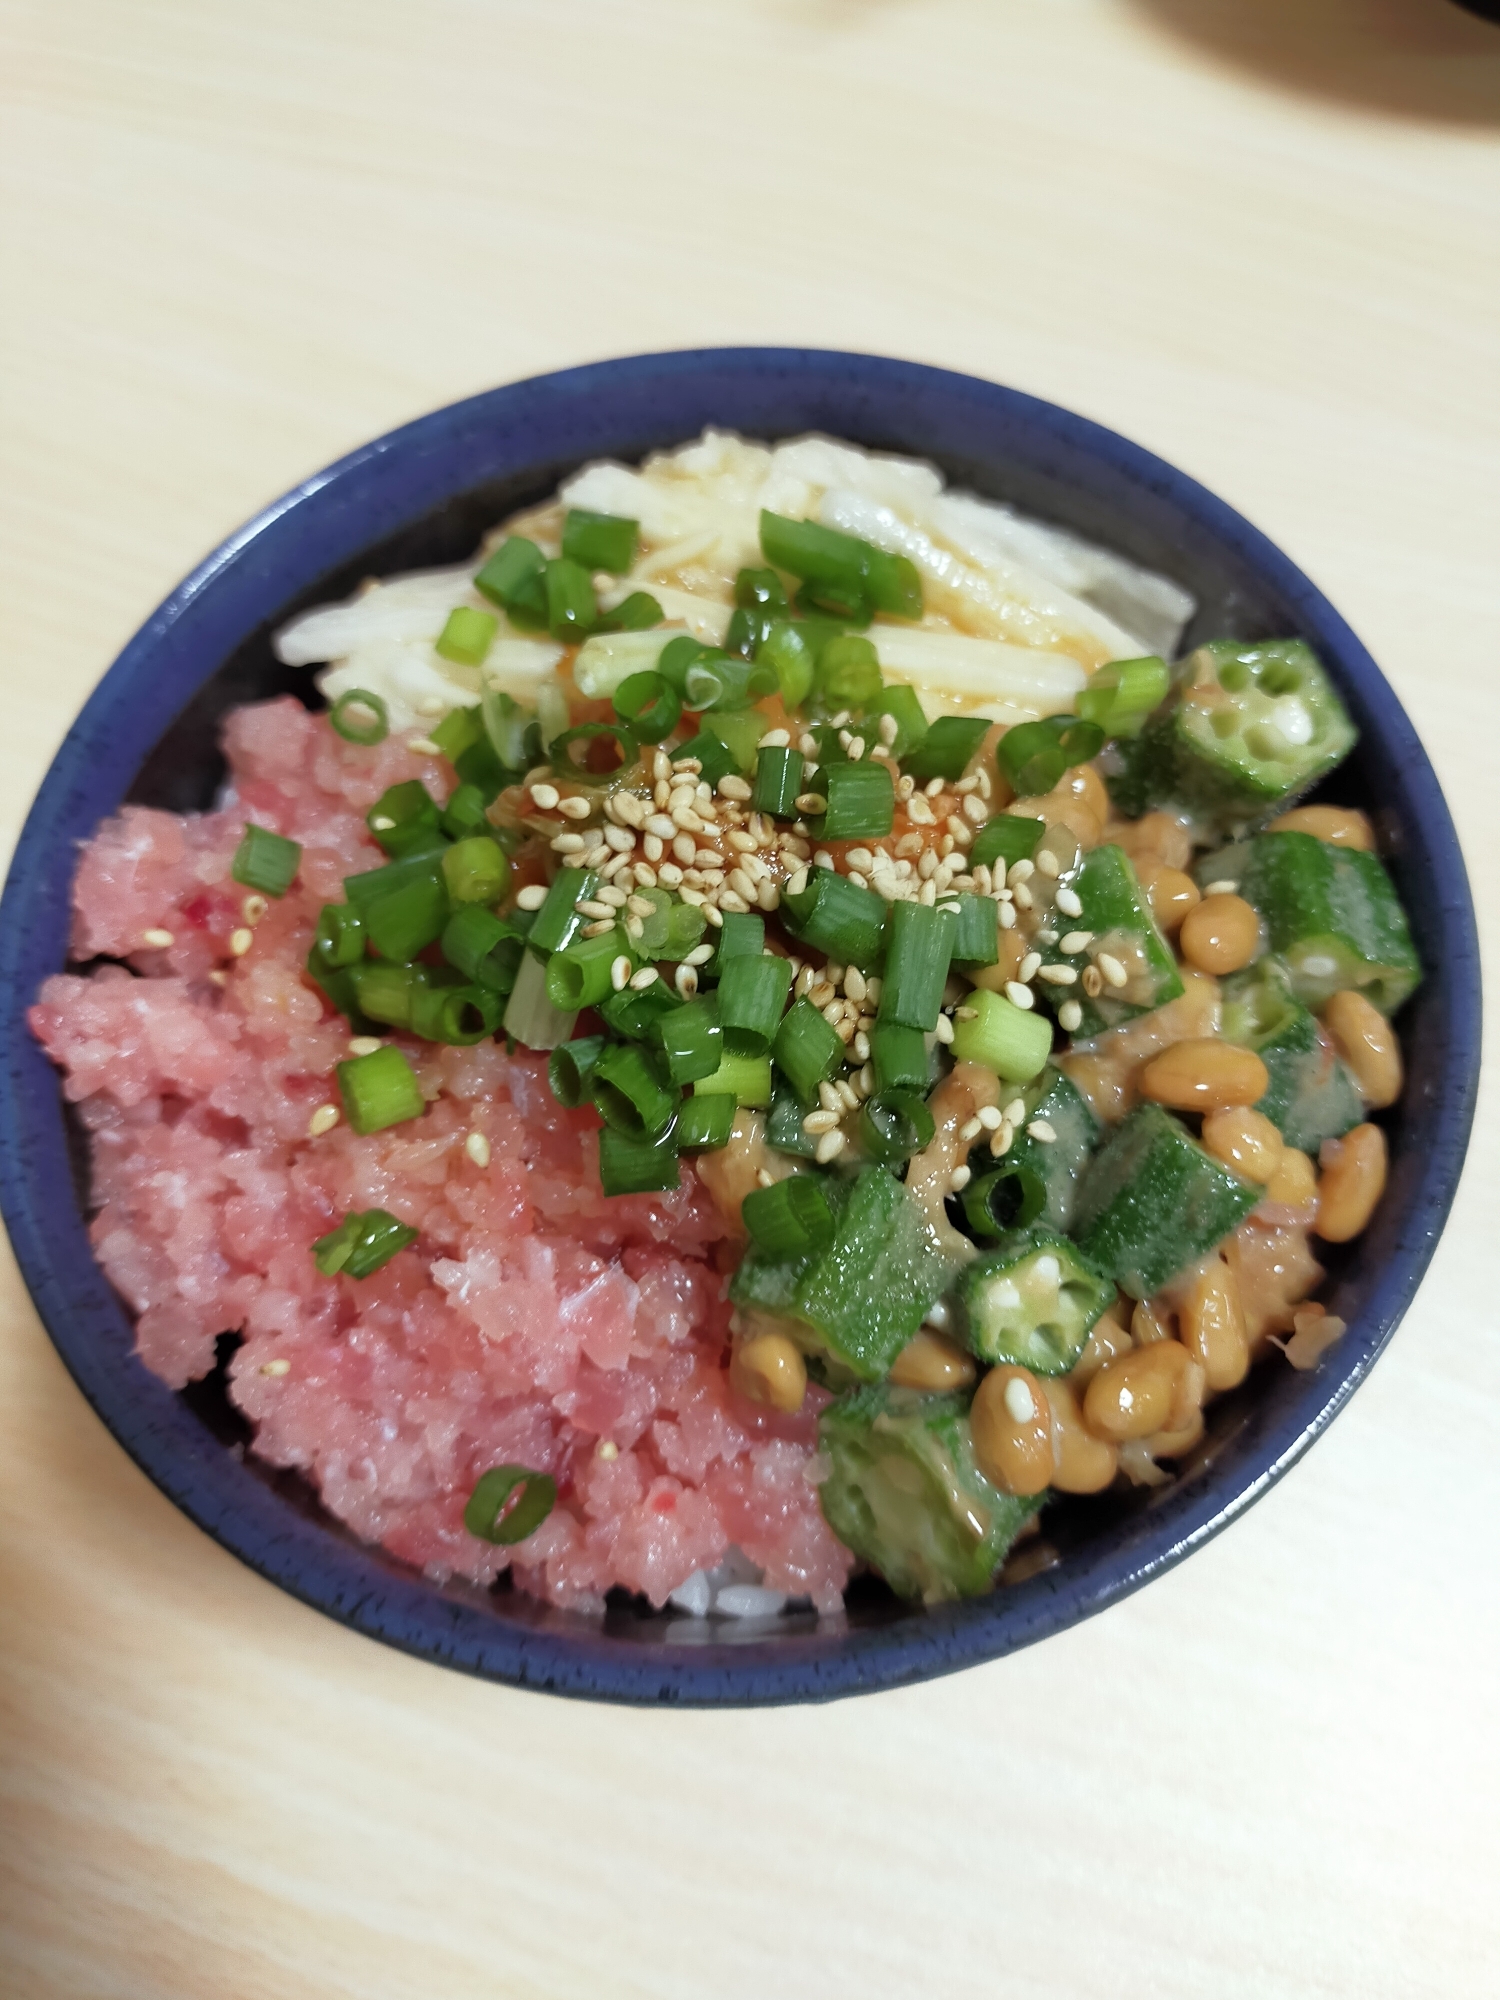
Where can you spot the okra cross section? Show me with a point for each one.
(1030, 1301)
(1154, 1201)
(905, 1494)
(1124, 941)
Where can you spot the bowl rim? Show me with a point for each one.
(363, 1589)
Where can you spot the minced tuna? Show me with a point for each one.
(534, 1322)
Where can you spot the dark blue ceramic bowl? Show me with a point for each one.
(422, 496)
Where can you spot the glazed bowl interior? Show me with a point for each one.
(424, 496)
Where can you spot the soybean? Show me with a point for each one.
(1010, 1423)
(1245, 1140)
(1352, 1181)
(1367, 1042)
(1134, 1396)
(928, 1361)
(1211, 1320)
(1204, 1075)
(1220, 935)
(769, 1370)
(1340, 826)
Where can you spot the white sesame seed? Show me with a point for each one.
(1020, 1404)
(1042, 1132)
(1093, 981)
(686, 981)
(944, 1030)
(1069, 903)
(157, 938)
(568, 843)
(276, 1367)
(1018, 995)
(1015, 1111)
(856, 748)
(323, 1120)
(574, 808)
(365, 1045)
(1006, 915)
(716, 922)
(531, 897)
(423, 746)
(601, 927)
(620, 838)
(1112, 969)
(812, 803)
(829, 1147)
(959, 1179)
(699, 955)
(545, 796)
(918, 811)
(1019, 871)
(774, 739)
(974, 809)
(1000, 1141)
(589, 907)
(478, 1149)
(1022, 896)
(619, 972)
(241, 940)
(645, 875)
(662, 826)
(217, 978)
(816, 1123)
(1221, 889)
(1030, 965)
(1077, 941)
(732, 787)
(607, 1449)
(253, 909)
(1070, 1016)
(1059, 975)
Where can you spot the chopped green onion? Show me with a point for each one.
(752, 998)
(340, 937)
(705, 1122)
(459, 730)
(574, 752)
(631, 1093)
(838, 569)
(635, 613)
(747, 1079)
(715, 760)
(570, 1070)
(1034, 755)
(559, 920)
(835, 916)
(385, 991)
(1009, 1198)
(684, 932)
(466, 813)
(509, 1503)
(506, 725)
(530, 1017)
(1003, 841)
(1078, 741)
(916, 966)
(571, 604)
(266, 861)
(579, 975)
(1001, 1036)
(360, 717)
(785, 1131)
(899, 1056)
(900, 703)
(740, 731)
(792, 657)
(600, 541)
(476, 870)
(893, 1125)
(760, 601)
(849, 603)
(379, 1090)
(947, 748)
(743, 935)
(861, 801)
(457, 1015)
(806, 1049)
(849, 672)
(635, 1014)
(371, 884)
(1121, 695)
(485, 948)
(409, 917)
(648, 705)
(691, 1041)
(628, 1165)
(789, 1218)
(976, 930)
(361, 1244)
(467, 636)
(676, 657)
(723, 681)
(515, 578)
(894, 584)
(778, 780)
(405, 820)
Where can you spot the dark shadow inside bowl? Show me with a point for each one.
(424, 497)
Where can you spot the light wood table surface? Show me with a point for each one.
(1261, 238)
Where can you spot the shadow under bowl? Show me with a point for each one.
(423, 496)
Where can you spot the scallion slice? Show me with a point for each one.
(514, 578)
(592, 750)
(778, 780)
(456, 1015)
(1003, 841)
(674, 659)
(835, 916)
(1008, 1198)
(742, 935)
(266, 861)
(861, 801)
(976, 930)
(752, 997)
(1033, 755)
(476, 870)
(1121, 695)
(900, 703)
(849, 672)
(947, 749)
(636, 613)
(724, 681)
(600, 541)
(715, 759)
(571, 604)
(631, 1092)
(361, 1244)
(340, 937)
(385, 991)
(691, 1040)
(579, 975)
(705, 1122)
(406, 916)
(485, 948)
(360, 717)
(570, 1070)
(630, 1165)
(893, 1125)
(509, 1503)
(379, 1090)
(559, 920)
(789, 1218)
(459, 730)
(747, 1079)
(806, 1049)
(1002, 1037)
(899, 1056)
(466, 813)
(916, 966)
(405, 820)
(635, 1014)
(530, 1017)
(467, 636)
(792, 656)
(648, 705)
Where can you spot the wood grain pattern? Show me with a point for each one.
(239, 240)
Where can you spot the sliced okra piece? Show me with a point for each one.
(1036, 1180)
(1134, 963)
(1312, 1094)
(1030, 1301)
